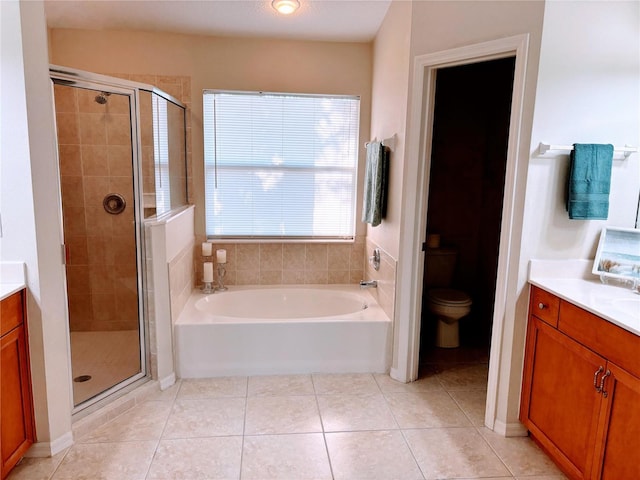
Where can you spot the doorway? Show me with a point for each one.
(471, 118)
(504, 363)
(98, 163)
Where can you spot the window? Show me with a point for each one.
(161, 153)
(280, 166)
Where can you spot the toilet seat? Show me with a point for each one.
(449, 297)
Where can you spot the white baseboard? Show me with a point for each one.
(48, 449)
(167, 381)
(515, 429)
(395, 374)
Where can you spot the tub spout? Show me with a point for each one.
(368, 284)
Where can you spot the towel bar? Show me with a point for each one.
(545, 147)
(388, 142)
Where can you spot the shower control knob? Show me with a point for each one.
(114, 203)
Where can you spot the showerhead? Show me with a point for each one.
(102, 98)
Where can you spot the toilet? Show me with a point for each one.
(447, 304)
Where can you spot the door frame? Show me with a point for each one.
(414, 218)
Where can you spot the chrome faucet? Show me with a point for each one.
(368, 283)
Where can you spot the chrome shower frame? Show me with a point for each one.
(108, 85)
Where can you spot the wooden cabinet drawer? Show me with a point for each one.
(545, 306)
(612, 342)
(11, 313)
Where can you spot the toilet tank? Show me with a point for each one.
(440, 265)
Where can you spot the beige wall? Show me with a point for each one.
(452, 24)
(224, 63)
(31, 215)
(582, 82)
(390, 86)
(436, 27)
(587, 92)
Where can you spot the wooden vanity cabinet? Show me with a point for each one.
(16, 406)
(581, 390)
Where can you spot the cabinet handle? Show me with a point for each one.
(601, 388)
(542, 306)
(595, 378)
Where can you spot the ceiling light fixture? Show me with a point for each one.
(285, 7)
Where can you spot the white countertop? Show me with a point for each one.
(573, 281)
(12, 278)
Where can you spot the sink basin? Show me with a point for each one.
(630, 306)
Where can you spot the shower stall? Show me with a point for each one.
(122, 159)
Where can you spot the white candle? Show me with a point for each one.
(207, 272)
(207, 249)
(221, 256)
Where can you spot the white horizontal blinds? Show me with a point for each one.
(280, 165)
(161, 154)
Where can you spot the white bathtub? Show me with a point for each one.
(282, 330)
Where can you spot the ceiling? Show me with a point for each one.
(323, 20)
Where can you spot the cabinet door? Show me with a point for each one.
(16, 421)
(559, 402)
(617, 450)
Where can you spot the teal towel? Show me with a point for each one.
(589, 181)
(375, 184)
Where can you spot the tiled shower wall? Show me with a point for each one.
(95, 159)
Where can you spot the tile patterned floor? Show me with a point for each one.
(300, 427)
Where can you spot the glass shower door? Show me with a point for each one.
(97, 162)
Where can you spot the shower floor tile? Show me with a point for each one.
(109, 357)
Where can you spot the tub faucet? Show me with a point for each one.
(368, 284)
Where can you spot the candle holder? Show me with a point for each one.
(221, 273)
(207, 277)
(207, 287)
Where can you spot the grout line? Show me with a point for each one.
(402, 433)
(322, 427)
(408, 445)
(166, 422)
(244, 426)
(59, 463)
(324, 432)
(495, 452)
